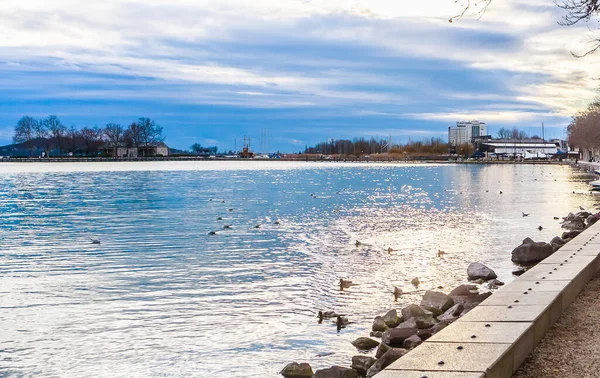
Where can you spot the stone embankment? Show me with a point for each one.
(468, 333)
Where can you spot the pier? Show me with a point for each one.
(495, 338)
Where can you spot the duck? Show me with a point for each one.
(440, 253)
(397, 293)
(276, 223)
(540, 228)
(390, 250)
(525, 214)
(357, 243)
(556, 218)
(223, 201)
(344, 284)
(95, 241)
(415, 281)
(219, 218)
(212, 233)
(581, 208)
(341, 321)
(326, 315)
(501, 192)
(230, 209)
(226, 226)
(257, 226)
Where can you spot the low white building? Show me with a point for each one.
(123, 151)
(519, 147)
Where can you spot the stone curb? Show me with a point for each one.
(493, 339)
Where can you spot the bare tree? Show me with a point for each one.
(40, 132)
(114, 135)
(56, 130)
(73, 134)
(577, 11)
(150, 132)
(25, 131)
(504, 133)
(92, 139)
(133, 135)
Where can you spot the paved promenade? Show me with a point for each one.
(494, 339)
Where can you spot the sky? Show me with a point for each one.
(297, 71)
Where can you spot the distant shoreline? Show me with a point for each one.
(435, 160)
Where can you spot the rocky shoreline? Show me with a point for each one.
(402, 331)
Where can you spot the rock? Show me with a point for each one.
(362, 363)
(382, 349)
(583, 215)
(571, 234)
(386, 360)
(377, 334)
(412, 323)
(465, 290)
(518, 272)
(365, 343)
(477, 270)
(395, 337)
(455, 310)
(531, 252)
(447, 318)
(575, 224)
(424, 334)
(438, 327)
(391, 319)
(558, 240)
(494, 284)
(379, 324)
(469, 307)
(435, 301)
(425, 322)
(412, 342)
(412, 311)
(336, 372)
(473, 299)
(296, 370)
(593, 219)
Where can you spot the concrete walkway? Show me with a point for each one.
(571, 348)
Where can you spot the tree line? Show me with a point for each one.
(584, 128)
(362, 146)
(50, 134)
(515, 133)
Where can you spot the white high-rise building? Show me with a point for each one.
(464, 132)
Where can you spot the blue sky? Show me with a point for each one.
(210, 71)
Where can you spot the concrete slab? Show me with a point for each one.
(521, 336)
(567, 257)
(556, 272)
(428, 374)
(541, 315)
(520, 286)
(522, 298)
(492, 359)
(484, 332)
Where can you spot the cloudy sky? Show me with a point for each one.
(210, 71)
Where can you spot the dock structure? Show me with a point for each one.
(493, 339)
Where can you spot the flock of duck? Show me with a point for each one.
(229, 226)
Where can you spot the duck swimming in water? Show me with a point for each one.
(326, 315)
(95, 241)
(341, 322)
(344, 284)
(397, 293)
(440, 253)
(390, 250)
(212, 233)
(357, 243)
(415, 281)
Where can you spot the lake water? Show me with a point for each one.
(161, 297)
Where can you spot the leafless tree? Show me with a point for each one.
(73, 134)
(25, 131)
(576, 11)
(92, 139)
(133, 135)
(114, 135)
(56, 130)
(150, 132)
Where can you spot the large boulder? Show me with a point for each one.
(575, 224)
(593, 219)
(382, 349)
(412, 323)
(395, 336)
(464, 290)
(531, 252)
(377, 334)
(477, 270)
(452, 313)
(362, 363)
(412, 311)
(391, 319)
(558, 240)
(472, 299)
(438, 327)
(412, 342)
(435, 302)
(365, 343)
(379, 324)
(424, 322)
(386, 360)
(296, 370)
(570, 234)
(336, 372)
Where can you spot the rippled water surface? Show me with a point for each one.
(161, 297)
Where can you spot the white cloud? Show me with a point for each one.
(179, 41)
